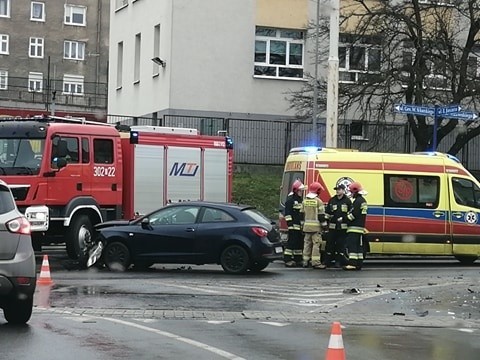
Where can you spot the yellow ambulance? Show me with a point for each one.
(418, 204)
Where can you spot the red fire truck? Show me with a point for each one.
(68, 175)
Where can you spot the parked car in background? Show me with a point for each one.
(17, 261)
(237, 237)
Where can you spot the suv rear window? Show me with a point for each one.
(257, 216)
(7, 203)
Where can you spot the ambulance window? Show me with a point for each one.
(412, 191)
(466, 192)
(85, 151)
(288, 179)
(103, 151)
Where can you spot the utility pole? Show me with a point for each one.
(332, 85)
(315, 81)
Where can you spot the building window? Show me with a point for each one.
(119, 64)
(35, 82)
(156, 48)
(437, 2)
(75, 15)
(279, 53)
(359, 58)
(357, 130)
(412, 191)
(138, 50)
(3, 79)
(38, 11)
(36, 47)
(73, 85)
(4, 8)
(4, 44)
(74, 50)
(120, 4)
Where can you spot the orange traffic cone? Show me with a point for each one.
(335, 350)
(44, 278)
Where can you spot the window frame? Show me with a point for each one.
(71, 44)
(4, 75)
(42, 19)
(7, 13)
(390, 202)
(35, 77)
(120, 4)
(34, 41)
(475, 192)
(289, 41)
(367, 47)
(73, 80)
(69, 11)
(170, 212)
(5, 39)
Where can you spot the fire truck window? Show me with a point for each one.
(66, 147)
(85, 151)
(103, 151)
(412, 191)
(466, 192)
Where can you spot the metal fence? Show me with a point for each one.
(268, 142)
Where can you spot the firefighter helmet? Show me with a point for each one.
(356, 188)
(297, 186)
(315, 188)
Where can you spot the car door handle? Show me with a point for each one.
(458, 215)
(190, 229)
(438, 214)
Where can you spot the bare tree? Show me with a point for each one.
(412, 51)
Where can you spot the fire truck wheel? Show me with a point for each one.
(79, 233)
(259, 265)
(235, 259)
(116, 256)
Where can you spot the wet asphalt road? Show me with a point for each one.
(429, 310)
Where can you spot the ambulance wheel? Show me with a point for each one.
(80, 232)
(235, 259)
(465, 259)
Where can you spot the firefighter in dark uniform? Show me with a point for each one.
(294, 249)
(356, 227)
(337, 210)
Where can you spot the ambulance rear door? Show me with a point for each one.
(465, 215)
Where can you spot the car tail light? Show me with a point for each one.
(19, 225)
(259, 231)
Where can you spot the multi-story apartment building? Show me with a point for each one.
(54, 57)
(233, 59)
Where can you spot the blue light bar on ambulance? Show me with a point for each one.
(307, 149)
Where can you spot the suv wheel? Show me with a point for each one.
(19, 311)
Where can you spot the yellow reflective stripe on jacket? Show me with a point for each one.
(355, 256)
(356, 229)
(364, 208)
(295, 227)
(297, 206)
(288, 218)
(287, 252)
(350, 217)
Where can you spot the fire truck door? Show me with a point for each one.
(68, 181)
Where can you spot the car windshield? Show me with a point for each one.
(21, 156)
(257, 216)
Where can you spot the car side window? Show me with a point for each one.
(215, 215)
(178, 215)
(466, 192)
(65, 147)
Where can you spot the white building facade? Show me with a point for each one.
(207, 58)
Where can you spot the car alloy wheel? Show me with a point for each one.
(235, 259)
(117, 256)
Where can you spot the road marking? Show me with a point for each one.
(273, 323)
(148, 321)
(217, 322)
(198, 344)
(467, 330)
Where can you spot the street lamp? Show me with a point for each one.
(315, 87)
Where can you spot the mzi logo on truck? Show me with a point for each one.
(184, 169)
